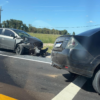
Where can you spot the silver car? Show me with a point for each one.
(19, 41)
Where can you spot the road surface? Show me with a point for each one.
(32, 78)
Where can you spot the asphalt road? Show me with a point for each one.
(32, 78)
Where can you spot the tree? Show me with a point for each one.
(4, 24)
(30, 28)
(24, 27)
(73, 33)
(18, 24)
(45, 30)
(64, 32)
(34, 30)
(39, 30)
(68, 34)
(56, 32)
(53, 31)
(12, 23)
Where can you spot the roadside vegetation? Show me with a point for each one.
(18, 24)
(49, 47)
(45, 38)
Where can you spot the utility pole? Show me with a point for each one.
(0, 15)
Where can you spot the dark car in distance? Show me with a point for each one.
(19, 41)
(79, 54)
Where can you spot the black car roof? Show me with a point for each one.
(86, 33)
(89, 32)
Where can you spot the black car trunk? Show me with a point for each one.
(59, 46)
(60, 43)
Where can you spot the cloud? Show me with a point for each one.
(91, 21)
(41, 24)
(7, 1)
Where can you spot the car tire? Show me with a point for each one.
(96, 82)
(19, 50)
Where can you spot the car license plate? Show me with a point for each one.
(58, 45)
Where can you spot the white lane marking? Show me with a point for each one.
(25, 59)
(69, 92)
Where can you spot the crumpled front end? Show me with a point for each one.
(36, 48)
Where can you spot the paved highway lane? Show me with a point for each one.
(87, 92)
(32, 78)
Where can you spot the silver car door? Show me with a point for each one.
(7, 42)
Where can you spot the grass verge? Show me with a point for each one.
(49, 48)
(45, 38)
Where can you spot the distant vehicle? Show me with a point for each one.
(19, 41)
(79, 54)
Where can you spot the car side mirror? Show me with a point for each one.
(12, 35)
(16, 37)
(24, 38)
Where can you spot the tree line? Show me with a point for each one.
(18, 24)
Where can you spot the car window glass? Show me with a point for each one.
(0, 31)
(8, 33)
(22, 33)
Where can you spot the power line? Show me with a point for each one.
(69, 27)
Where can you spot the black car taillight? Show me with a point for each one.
(72, 43)
(66, 67)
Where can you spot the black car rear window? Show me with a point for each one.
(89, 32)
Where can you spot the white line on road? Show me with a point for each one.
(69, 92)
(26, 59)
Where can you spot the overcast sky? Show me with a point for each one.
(72, 15)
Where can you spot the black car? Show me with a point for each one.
(79, 54)
(19, 41)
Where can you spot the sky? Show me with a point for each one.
(73, 15)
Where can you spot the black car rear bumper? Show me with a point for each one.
(66, 60)
(75, 70)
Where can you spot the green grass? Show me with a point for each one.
(45, 38)
(49, 48)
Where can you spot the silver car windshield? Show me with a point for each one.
(22, 33)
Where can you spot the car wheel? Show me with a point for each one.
(96, 82)
(19, 50)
